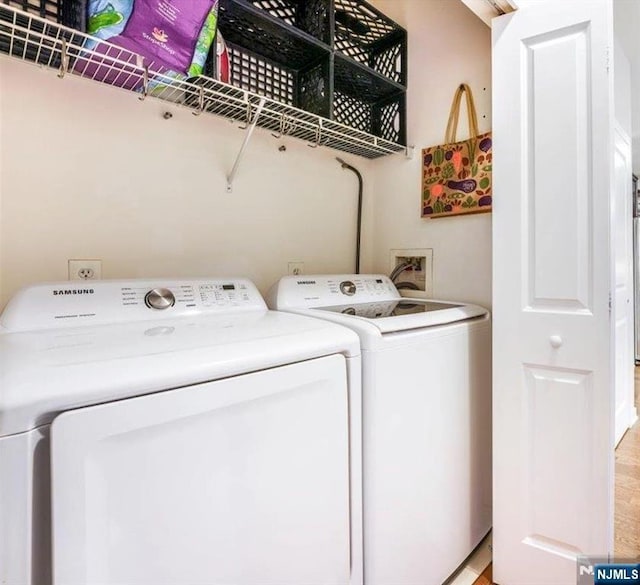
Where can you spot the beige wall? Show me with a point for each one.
(448, 45)
(88, 171)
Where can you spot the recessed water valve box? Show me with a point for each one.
(416, 280)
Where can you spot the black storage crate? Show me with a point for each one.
(270, 57)
(364, 100)
(71, 13)
(371, 38)
(341, 59)
(309, 16)
(305, 88)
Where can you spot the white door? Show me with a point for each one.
(622, 217)
(242, 481)
(553, 394)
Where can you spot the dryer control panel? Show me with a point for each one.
(53, 305)
(310, 291)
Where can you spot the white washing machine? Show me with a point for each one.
(176, 433)
(426, 421)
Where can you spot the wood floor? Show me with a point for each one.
(627, 512)
(486, 578)
(627, 516)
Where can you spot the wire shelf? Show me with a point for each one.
(41, 42)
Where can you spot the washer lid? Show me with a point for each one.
(403, 314)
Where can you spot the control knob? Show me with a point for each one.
(348, 288)
(159, 298)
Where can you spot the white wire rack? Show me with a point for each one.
(45, 43)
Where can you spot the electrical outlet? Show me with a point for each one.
(418, 277)
(296, 268)
(85, 269)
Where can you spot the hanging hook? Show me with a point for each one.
(64, 59)
(145, 83)
(247, 117)
(283, 127)
(318, 135)
(200, 102)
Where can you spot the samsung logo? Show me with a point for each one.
(73, 291)
(306, 281)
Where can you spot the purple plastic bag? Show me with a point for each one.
(165, 31)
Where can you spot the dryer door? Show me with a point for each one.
(242, 481)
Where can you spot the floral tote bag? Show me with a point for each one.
(456, 176)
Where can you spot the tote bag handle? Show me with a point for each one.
(454, 115)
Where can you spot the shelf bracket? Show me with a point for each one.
(249, 131)
(200, 102)
(410, 151)
(318, 135)
(283, 128)
(64, 60)
(145, 83)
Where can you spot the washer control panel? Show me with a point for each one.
(202, 295)
(103, 301)
(326, 290)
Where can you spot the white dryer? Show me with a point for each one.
(174, 433)
(426, 421)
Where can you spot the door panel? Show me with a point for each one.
(242, 481)
(557, 401)
(559, 276)
(553, 399)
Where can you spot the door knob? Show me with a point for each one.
(555, 341)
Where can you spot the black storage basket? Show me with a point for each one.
(270, 57)
(309, 16)
(71, 13)
(371, 38)
(341, 59)
(385, 118)
(364, 100)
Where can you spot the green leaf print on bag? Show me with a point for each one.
(448, 171)
(469, 202)
(107, 17)
(438, 156)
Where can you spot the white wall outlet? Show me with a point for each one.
(420, 273)
(85, 269)
(296, 268)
